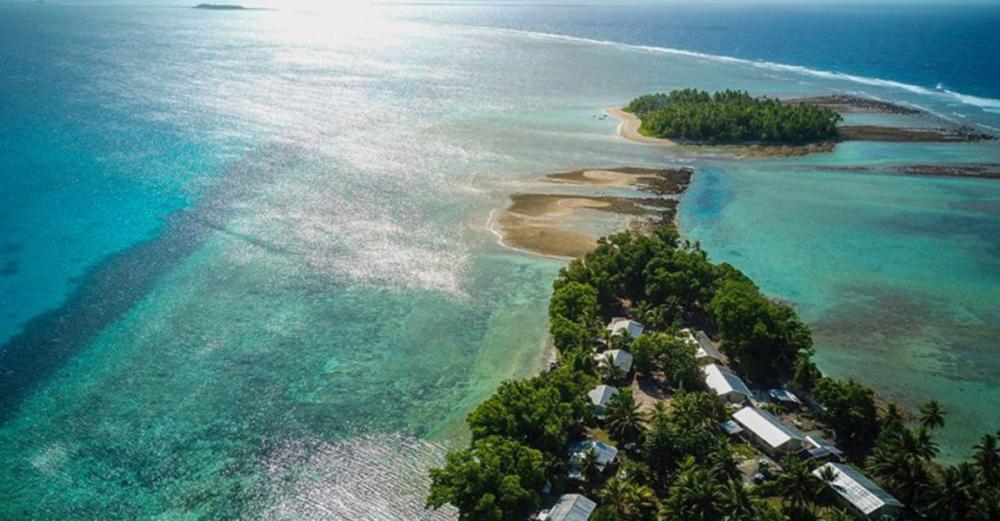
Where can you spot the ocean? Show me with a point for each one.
(244, 264)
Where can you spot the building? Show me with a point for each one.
(770, 434)
(784, 397)
(569, 507)
(622, 325)
(600, 396)
(724, 382)
(821, 449)
(706, 351)
(605, 453)
(620, 357)
(859, 494)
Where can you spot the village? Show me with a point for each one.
(768, 424)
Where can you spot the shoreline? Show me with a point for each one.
(628, 127)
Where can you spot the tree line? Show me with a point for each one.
(676, 463)
(732, 116)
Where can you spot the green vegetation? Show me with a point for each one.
(732, 117)
(675, 461)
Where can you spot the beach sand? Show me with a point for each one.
(629, 128)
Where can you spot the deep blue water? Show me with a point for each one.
(949, 47)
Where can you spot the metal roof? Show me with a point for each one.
(578, 450)
(572, 507)
(623, 324)
(858, 490)
(765, 426)
(706, 349)
(620, 357)
(600, 395)
(723, 381)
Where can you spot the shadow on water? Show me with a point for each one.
(116, 284)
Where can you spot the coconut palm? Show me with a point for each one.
(987, 507)
(902, 472)
(826, 492)
(624, 421)
(722, 462)
(739, 503)
(611, 373)
(797, 485)
(629, 500)
(931, 415)
(695, 496)
(950, 497)
(987, 458)
(589, 468)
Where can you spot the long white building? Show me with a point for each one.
(769, 433)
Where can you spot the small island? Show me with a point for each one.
(680, 391)
(732, 117)
(220, 7)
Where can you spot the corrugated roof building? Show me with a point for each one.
(619, 357)
(860, 494)
(769, 433)
(621, 325)
(724, 382)
(570, 507)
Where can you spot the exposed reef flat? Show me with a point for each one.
(980, 170)
(846, 103)
(959, 134)
(550, 223)
(658, 181)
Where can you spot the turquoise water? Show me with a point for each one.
(247, 272)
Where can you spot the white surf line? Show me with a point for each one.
(986, 104)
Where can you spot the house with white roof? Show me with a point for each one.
(600, 396)
(724, 382)
(859, 494)
(578, 451)
(772, 435)
(706, 352)
(622, 325)
(569, 507)
(620, 357)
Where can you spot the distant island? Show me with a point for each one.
(221, 7)
(732, 117)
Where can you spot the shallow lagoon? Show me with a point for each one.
(336, 304)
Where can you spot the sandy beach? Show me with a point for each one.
(628, 128)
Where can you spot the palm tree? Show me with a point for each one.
(924, 445)
(797, 485)
(695, 496)
(588, 467)
(612, 374)
(722, 462)
(987, 507)
(826, 491)
(902, 472)
(629, 500)
(987, 458)
(931, 415)
(739, 503)
(950, 497)
(624, 421)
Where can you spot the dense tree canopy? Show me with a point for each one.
(732, 117)
(762, 336)
(497, 479)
